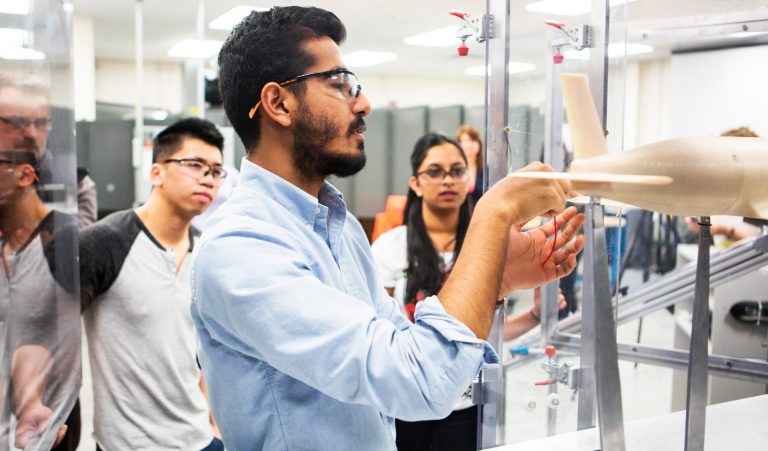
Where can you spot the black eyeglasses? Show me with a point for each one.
(342, 81)
(22, 123)
(197, 168)
(438, 174)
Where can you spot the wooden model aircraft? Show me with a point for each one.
(700, 176)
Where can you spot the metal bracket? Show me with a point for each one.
(480, 27)
(487, 30)
(761, 245)
(573, 378)
(579, 36)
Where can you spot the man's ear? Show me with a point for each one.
(278, 103)
(413, 183)
(27, 175)
(156, 174)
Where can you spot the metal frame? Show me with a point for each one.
(496, 30)
(599, 381)
(734, 262)
(697, 387)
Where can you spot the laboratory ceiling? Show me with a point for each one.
(378, 25)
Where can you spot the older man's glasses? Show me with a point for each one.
(197, 168)
(437, 175)
(22, 123)
(342, 82)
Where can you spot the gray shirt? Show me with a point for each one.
(140, 339)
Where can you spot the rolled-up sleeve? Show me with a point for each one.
(263, 295)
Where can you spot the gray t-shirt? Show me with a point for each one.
(141, 340)
(40, 327)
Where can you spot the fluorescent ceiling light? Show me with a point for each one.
(365, 58)
(14, 7)
(566, 7)
(747, 34)
(13, 37)
(159, 115)
(615, 50)
(195, 48)
(20, 53)
(234, 16)
(442, 37)
(513, 68)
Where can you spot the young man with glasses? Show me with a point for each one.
(25, 124)
(301, 346)
(135, 269)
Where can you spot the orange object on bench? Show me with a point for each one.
(391, 217)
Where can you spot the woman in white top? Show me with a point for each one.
(414, 259)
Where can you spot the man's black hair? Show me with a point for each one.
(267, 47)
(169, 140)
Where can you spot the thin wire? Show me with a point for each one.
(554, 242)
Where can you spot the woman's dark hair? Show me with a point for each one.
(268, 47)
(426, 270)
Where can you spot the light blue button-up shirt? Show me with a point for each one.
(301, 346)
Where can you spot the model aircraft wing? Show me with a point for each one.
(596, 177)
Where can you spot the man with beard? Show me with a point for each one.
(134, 285)
(300, 344)
(39, 313)
(24, 126)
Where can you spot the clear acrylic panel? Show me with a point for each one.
(39, 302)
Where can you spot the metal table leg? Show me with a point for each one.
(696, 401)
(599, 341)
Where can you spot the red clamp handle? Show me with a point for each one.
(556, 24)
(547, 382)
(460, 14)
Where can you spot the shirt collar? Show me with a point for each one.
(293, 198)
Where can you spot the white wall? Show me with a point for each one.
(719, 90)
(405, 91)
(116, 83)
(653, 102)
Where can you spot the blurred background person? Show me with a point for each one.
(39, 252)
(472, 144)
(39, 313)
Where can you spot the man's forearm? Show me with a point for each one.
(29, 373)
(470, 293)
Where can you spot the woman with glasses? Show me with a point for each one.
(414, 260)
